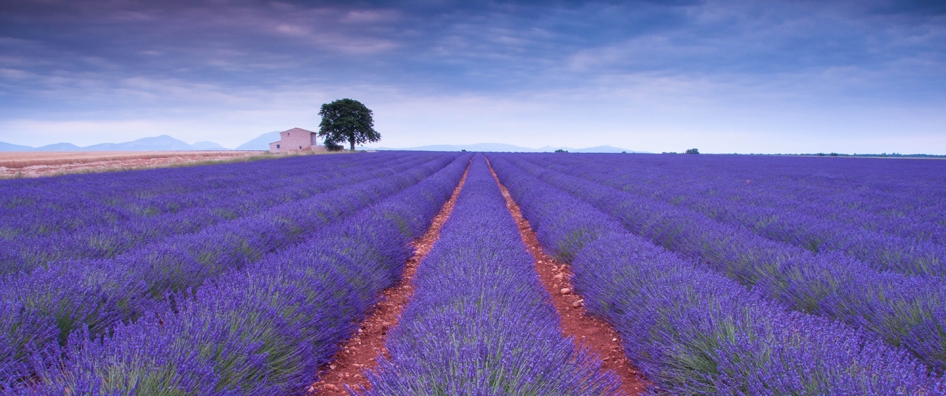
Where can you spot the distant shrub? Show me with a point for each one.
(693, 151)
(561, 151)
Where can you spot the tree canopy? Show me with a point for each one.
(346, 120)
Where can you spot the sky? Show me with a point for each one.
(866, 76)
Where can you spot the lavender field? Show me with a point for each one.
(732, 275)
(753, 275)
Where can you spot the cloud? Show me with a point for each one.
(473, 70)
(920, 8)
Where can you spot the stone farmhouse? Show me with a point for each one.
(296, 140)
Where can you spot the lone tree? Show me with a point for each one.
(346, 120)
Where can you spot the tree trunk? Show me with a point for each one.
(352, 144)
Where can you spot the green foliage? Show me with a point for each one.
(693, 151)
(332, 146)
(561, 151)
(346, 120)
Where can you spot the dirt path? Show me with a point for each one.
(363, 350)
(577, 322)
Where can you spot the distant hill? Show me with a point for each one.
(13, 147)
(57, 147)
(596, 149)
(207, 146)
(168, 143)
(261, 142)
(467, 147)
(157, 143)
(510, 148)
(607, 149)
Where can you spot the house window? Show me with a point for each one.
(277, 146)
(300, 147)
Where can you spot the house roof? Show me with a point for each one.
(298, 130)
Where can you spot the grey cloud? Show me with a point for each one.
(479, 46)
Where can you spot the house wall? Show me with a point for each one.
(295, 140)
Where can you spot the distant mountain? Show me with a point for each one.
(58, 147)
(207, 146)
(157, 143)
(261, 142)
(510, 148)
(603, 149)
(168, 143)
(467, 147)
(13, 147)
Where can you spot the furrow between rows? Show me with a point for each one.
(479, 322)
(692, 330)
(262, 329)
(364, 348)
(50, 305)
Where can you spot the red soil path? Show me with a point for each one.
(363, 349)
(594, 333)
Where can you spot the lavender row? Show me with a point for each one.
(778, 219)
(264, 329)
(49, 304)
(906, 203)
(479, 322)
(44, 205)
(905, 311)
(115, 237)
(692, 331)
(77, 200)
(48, 206)
(120, 188)
(816, 187)
(13, 263)
(891, 189)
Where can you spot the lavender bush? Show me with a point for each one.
(693, 331)
(98, 294)
(263, 329)
(167, 215)
(479, 322)
(905, 311)
(773, 207)
(899, 197)
(53, 204)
